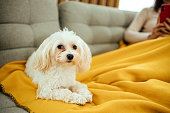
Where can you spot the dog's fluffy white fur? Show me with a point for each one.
(53, 66)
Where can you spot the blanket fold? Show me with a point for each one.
(133, 79)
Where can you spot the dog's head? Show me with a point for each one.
(63, 48)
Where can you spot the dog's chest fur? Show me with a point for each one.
(62, 76)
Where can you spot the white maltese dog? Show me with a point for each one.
(53, 66)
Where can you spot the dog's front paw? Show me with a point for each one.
(87, 94)
(78, 99)
(88, 97)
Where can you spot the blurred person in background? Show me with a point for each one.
(146, 24)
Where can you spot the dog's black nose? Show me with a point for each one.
(70, 56)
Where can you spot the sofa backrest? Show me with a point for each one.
(100, 27)
(24, 24)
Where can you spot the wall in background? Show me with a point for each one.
(135, 5)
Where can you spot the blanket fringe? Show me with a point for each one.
(13, 99)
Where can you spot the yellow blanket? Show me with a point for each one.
(133, 79)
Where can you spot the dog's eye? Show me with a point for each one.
(74, 47)
(60, 47)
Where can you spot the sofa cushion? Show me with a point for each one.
(100, 27)
(24, 24)
(6, 102)
(41, 31)
(13, 110)
(16, 36)
(17, 11)
(15, 54)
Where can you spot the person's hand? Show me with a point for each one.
(160, 30)
(167, 25)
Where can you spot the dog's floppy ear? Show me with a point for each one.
(85, 58)
(42, 56)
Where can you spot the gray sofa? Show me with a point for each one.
(24, 24)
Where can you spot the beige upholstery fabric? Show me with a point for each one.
(101, 27)
(24, 24)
